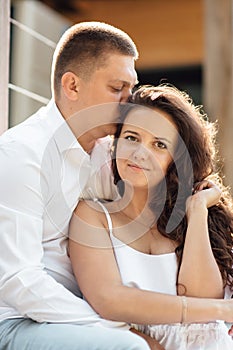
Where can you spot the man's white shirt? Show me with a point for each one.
(44, 171)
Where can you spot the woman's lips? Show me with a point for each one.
(136, 167)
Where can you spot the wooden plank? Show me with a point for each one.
(218, 75)
(168, 33)
(4, 62)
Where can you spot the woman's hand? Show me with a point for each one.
(153, 344)
(230, 332)
(209, 191)
(206, 194)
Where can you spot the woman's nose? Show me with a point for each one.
(141, 153)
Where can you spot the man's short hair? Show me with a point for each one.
(84, 47)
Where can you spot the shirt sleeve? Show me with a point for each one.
(24, 284)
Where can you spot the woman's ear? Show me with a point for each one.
(70, 85)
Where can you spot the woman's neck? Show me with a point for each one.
(135, 205)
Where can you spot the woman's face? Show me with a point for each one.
(145, 147)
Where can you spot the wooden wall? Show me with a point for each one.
(167, 32)
(218, 76)
(176, 33)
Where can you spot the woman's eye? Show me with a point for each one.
(160, 144)
(131, 138)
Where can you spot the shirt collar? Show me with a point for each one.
(60, 130)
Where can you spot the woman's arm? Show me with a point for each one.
(199, 275)
(97, 273)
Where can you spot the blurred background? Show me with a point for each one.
(188, 43)
(168, 33)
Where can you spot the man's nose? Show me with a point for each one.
(125, 95)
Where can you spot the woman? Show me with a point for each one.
(170, 232)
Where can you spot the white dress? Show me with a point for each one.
(158, 273)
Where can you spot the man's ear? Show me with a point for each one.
(70, 85)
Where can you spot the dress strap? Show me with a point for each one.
(108, 217)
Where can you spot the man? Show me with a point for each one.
(45, 164)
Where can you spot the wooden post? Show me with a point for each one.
(4, 62)
(218, 76)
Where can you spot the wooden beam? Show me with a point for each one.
(218, 76)
(168, 33)
(4, 62)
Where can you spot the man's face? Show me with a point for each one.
(107, 86)
(110, 83)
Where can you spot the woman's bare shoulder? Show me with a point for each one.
(89, 225)
(90, 211)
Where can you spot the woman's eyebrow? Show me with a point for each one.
(162, 139)
(131, 132)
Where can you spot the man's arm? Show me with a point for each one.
(24, 284)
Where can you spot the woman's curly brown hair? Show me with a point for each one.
(195, 159)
